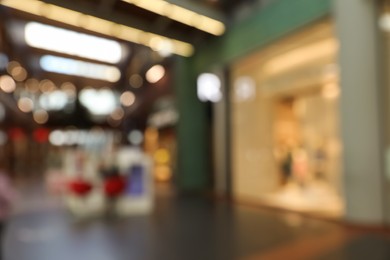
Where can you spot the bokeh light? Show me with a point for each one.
(135, 137)
(127, 98)
(117, 114)
(41, 116)
(19, 73)
(136, 81)
(32, 85)
(7, 84)
(155, 73)
(25, 104)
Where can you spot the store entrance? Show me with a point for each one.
(307, 153)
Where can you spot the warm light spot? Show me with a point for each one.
(330, 91)
(127, 98)
(155, 73)
(136, 81)
(32, 85)
(7, 84)
(162, 156)
(112, 122)
(47, 86)
(25, 104)
(117, 114)
(69, 88)
(41, 116)
(11, 66)
(19, 73)
(163, 173)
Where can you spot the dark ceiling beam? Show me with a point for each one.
(200, 8)
(162, 23)
(117, 17)
(106, 6)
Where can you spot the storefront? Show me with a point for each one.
(160, 139)
(286, 148)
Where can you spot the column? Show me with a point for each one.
(356, 26)
(192, 131)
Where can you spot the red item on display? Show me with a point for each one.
(114, 186)
(80, 187)
(41, 135)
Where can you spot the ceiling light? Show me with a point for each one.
(155, 73)
(181, 15)
(60, 40)
(7, 84)
(80, 68)
(94, 24)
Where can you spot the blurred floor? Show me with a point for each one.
(181, 228)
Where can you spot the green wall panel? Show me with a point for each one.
(262, 27)
(192, 130)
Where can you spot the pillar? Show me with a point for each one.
(356, 26)
(192, 131)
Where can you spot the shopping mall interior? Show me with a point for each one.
(194, 129)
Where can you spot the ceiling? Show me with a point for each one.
(137, 59)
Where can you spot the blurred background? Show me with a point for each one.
(183, 129)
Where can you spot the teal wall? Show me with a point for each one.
(191, 130)
(261, 28)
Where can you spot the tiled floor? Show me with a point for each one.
(181, 228)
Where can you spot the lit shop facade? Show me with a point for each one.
(300, 115)
(285, 140)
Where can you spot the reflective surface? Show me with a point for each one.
(181, 228)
